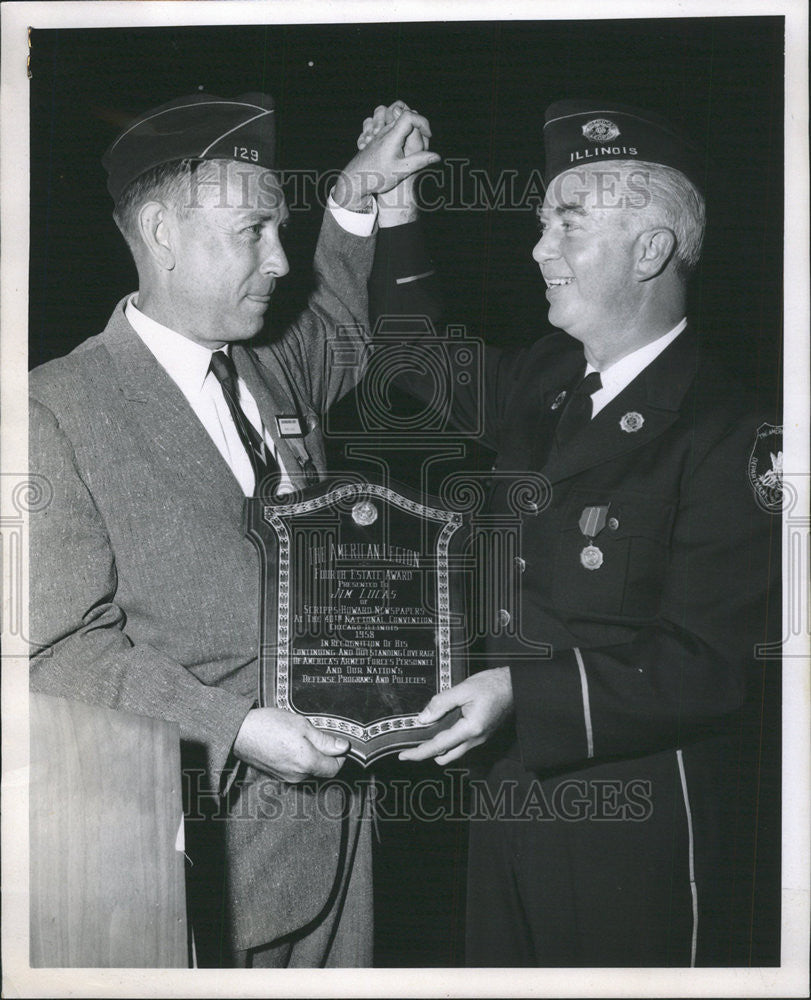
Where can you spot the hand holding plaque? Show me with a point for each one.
(362, 610)
(287, 747)
(485, 700)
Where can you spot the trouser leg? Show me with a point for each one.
(572, 885)
(341, 937)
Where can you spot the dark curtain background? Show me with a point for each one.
(484, 87)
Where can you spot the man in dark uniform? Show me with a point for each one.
(645, 562)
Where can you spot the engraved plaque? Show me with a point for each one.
(362, 609)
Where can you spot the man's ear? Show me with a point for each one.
(156, 231)
(655, 250)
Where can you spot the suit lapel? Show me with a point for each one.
(168, 425)
(640, 413)
(272, 401)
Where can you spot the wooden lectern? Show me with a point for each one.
(106, 867)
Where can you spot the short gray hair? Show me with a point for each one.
(168, 182)
(674, 202)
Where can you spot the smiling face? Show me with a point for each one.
(587, 253)
(227, 252)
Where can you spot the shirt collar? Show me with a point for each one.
(624, 371)
(186, 362)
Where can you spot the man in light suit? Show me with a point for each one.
(645, 574)
(144, 588)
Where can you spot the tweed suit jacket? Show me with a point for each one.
(144, 590)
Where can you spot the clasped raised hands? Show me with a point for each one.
(393, 146)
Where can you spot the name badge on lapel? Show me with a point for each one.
(289, 428)
(592, 521)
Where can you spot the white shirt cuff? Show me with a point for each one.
(357, 223)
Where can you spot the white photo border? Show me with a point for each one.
(791, 979)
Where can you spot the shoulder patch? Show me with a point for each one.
(766, 467)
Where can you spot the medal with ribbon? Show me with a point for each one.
(592, 521)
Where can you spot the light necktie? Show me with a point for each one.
(262, 461)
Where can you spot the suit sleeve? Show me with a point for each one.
(83, 651)
(406, 306)
(323, 353)
(683, 674)
(403, 281)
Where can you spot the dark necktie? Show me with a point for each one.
(262, 461)
(577, 411)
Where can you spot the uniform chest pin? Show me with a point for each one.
(559, 400)
(592, 521)
(630, 422)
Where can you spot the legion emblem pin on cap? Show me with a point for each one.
(577, 133)
(196, 127)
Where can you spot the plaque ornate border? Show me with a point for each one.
(273, 515)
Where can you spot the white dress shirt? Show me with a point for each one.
(187, 364)
(615, 378)
(357, 223)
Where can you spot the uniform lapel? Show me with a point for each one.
(655, 396)
(168, 426)
(560, 376)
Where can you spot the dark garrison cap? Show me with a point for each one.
(577, 133)
(197, 127)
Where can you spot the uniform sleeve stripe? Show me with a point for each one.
(691, 857)
(414, 277)
(584, 688)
